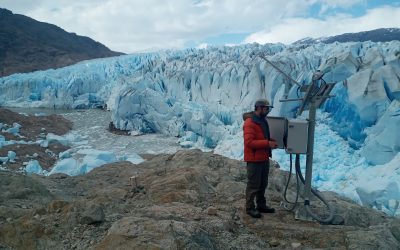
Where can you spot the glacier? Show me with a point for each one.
(205, 91)
(199, 95)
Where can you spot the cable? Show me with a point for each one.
(287, 184)
(297, 190)
(297, 92)
(317, 194)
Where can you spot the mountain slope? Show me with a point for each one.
(27, 45)
(377, 35)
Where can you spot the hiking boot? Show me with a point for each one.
(266, 209)
(253, 213)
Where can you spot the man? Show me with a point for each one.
(257, 151)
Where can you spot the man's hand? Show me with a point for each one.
(273, 144)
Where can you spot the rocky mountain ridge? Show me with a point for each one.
(376, 35)
(27, 45)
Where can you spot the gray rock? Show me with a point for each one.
(373, 238)
(92, 214)
(295, 245)
(395, 229)
(175, 211)
(211, 211)
(274, 243)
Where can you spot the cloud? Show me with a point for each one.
(293, 29)
(202, 46)
(340, 3)
(136, 25)
(331, 4)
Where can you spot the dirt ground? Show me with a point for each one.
(25, 153)
(33, 128)
(32, 125)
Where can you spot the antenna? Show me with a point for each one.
(278, 69)
(316, 93)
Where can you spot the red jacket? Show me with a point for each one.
(256, 146)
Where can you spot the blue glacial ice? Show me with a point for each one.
(11, 156)
(204, 91)
(33, 167)
(92, 159)
(65, 154)
(67, 166)
(14, 129)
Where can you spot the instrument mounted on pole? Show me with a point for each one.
(297, 137)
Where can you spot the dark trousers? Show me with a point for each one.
(257, 182)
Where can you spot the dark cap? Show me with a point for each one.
(263, 103)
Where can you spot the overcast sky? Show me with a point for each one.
(132, 25)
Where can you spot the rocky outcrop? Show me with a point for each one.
(27, 45)
(188, 200)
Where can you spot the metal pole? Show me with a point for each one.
(310, 151)
(278, 69)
